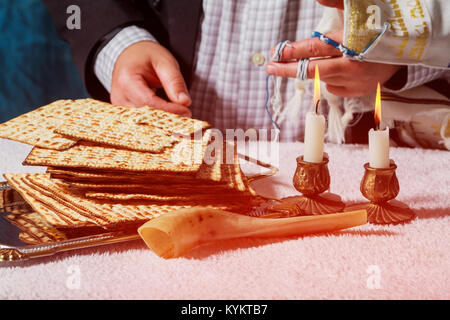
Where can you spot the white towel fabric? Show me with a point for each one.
(410, 261)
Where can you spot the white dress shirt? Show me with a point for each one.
(229, 80)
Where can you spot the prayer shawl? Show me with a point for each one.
(404, 32)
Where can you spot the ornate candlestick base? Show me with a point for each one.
(380, 186)
(312, 179)
(321, 204)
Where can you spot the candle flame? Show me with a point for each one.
(378, 107)
(316, 85)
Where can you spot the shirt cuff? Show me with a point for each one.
(418, 75)
(107, 57)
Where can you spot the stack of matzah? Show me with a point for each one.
(111, 166)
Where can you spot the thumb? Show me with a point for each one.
(173, 83)
(339, 4)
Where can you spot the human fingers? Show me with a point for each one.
(310, 48)
(140, 94)
(327, 67)
(172, 80)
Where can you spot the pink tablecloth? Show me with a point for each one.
(410, 261)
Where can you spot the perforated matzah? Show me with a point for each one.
(105, 176)
(167, 121)
(113, 213)
(47, 213)
(63, 209)
(226, 169)
(103, 128)
(55, 211)
(185, 157)
(228, 175)
(166, 189)
(143, 129)
(206, 199)
(35, 229)
(37, 127)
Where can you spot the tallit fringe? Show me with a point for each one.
(294, 105)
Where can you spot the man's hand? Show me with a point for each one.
(343, 77)
(143, 67)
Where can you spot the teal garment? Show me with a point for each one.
(36, 67)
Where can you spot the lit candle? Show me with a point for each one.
(314, 128)
(378, 139)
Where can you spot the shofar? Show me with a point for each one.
(174, 234)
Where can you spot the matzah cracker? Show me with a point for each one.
(127, 177)
(56, 213)
(37, 127)
(29, 239)
(55, 199)
(48, 214)
(105, 176)
(206, 198)
(156, 182)
(142, 129)
(95, 127)
(43, 227)
(71, 211)
(120, 213)
(217, 173)
(17, 208)
(166, 189)
(114, 213)
(12, 201)
(34, 226)
(225, 172)
(30, 234)
(185, 157)
(168, 122)
(8, 196)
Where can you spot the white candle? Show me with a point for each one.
(314, 135)
(314, 127)
(378, 139)
(379, 148)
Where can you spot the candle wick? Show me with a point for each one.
(317, 106)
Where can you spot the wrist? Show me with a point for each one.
(108, 55)
(398, 79)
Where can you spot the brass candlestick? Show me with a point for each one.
(380, 187)
(312, 179)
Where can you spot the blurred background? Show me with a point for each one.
(36, 66)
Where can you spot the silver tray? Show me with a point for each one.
(12, 248)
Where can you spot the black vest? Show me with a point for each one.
(174, 23)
